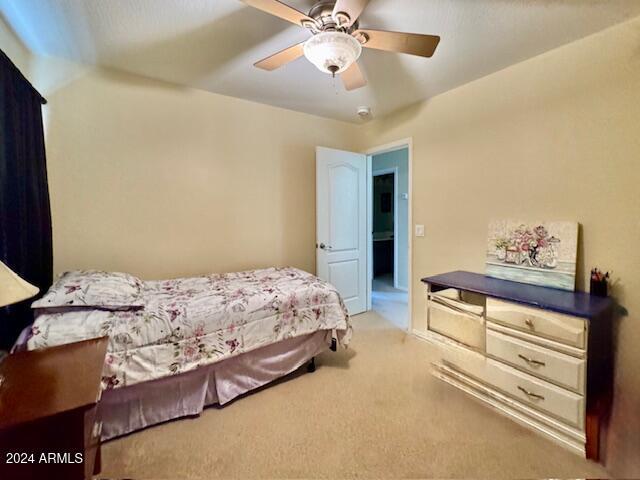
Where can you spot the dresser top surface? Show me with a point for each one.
(40, 383)
(578, 304)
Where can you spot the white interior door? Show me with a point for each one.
(341, 224)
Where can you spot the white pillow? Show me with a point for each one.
(93, 289)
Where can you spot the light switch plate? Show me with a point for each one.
(419, 230)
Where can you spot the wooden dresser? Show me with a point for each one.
(539, 355)
(48, 405)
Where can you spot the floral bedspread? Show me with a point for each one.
(190, 322)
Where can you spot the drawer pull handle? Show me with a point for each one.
(530, 394)
(97, 430)
(531, 361)
(529, 323)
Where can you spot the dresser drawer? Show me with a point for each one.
(561, 369)
(556, 326)
(459, 300)
(532, 392)
(459, 325)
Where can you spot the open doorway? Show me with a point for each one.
(384, 227)
(389, 241)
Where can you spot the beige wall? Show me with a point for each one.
(556, 137)
(163, 181)
(14, 49)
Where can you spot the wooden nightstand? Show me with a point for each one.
(48, 406)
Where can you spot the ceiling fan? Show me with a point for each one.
(337, 39)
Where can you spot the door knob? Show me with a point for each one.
(325, 247)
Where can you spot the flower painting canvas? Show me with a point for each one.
(539, 253)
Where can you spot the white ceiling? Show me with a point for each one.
(212, 44)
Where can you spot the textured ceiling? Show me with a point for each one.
(212, 44)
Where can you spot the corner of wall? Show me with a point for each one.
(15, 49)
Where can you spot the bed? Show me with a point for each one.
(176, 346)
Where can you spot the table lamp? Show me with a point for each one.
(13, 289)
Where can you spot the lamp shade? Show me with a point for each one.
(13, 289)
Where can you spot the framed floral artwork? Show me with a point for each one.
(539, 253)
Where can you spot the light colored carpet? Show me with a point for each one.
(389, 302)
(371, 411)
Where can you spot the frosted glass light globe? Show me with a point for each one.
(332, 52)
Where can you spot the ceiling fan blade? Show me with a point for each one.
(353, 8)
(411, 43)
(353, 77)
(281, 58)
(279, 9)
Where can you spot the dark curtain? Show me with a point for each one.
(25, 216)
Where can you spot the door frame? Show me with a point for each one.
(377, 173)
(385, 148)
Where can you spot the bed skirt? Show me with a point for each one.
(127, 409)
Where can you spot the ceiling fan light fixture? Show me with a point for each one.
(332, 52)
